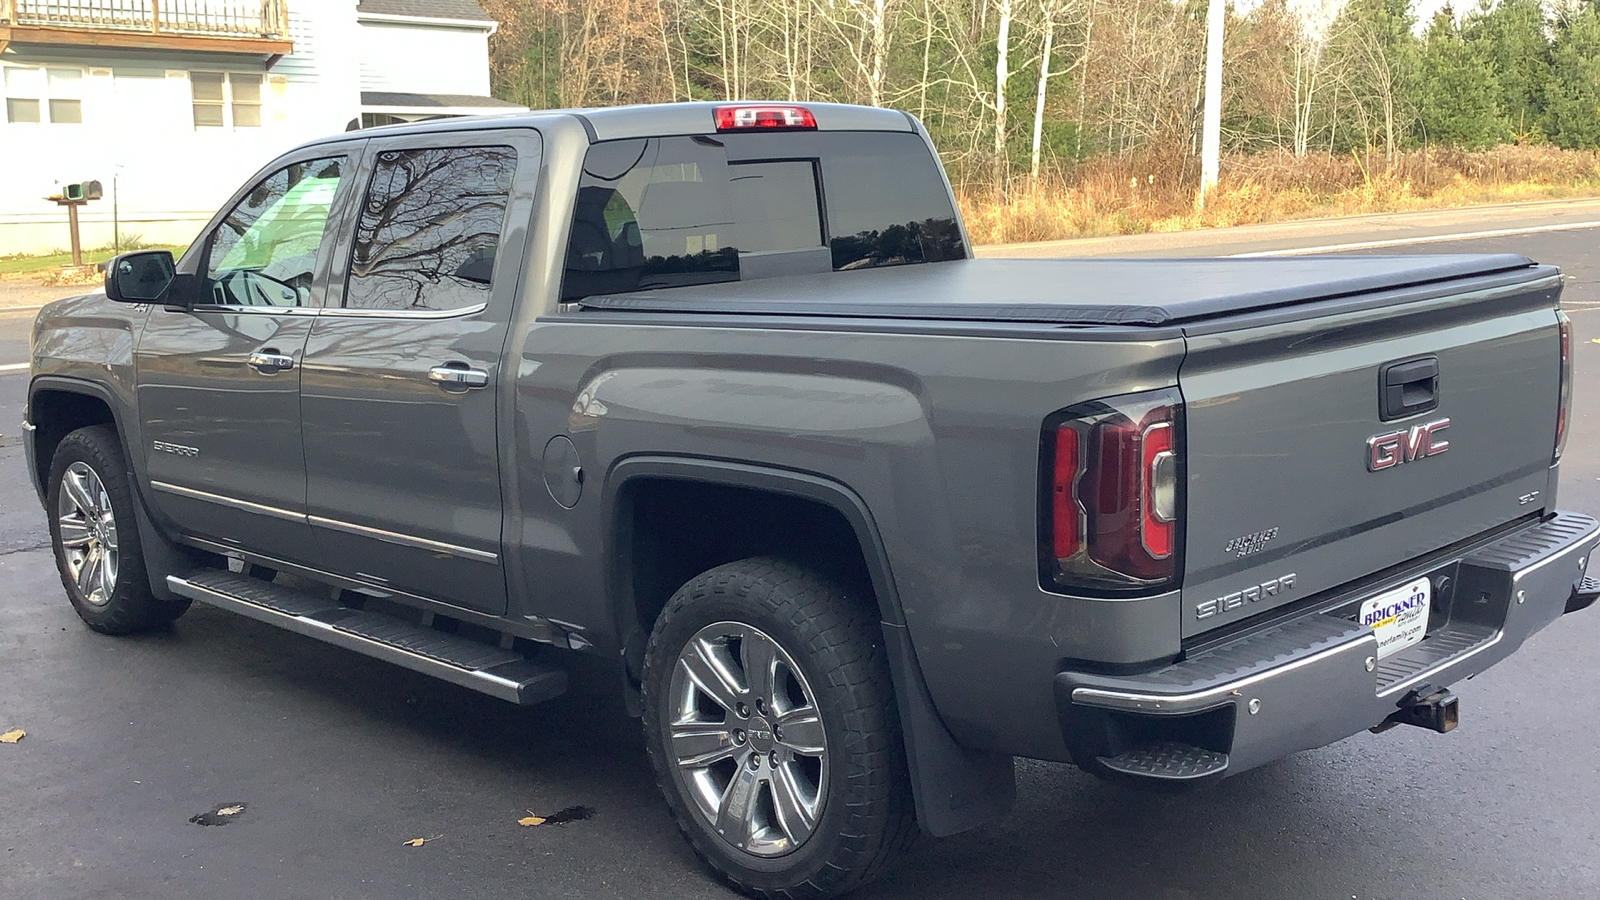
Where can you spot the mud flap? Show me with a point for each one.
(955, 789)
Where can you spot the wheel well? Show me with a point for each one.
(56, 414)
(674, 529)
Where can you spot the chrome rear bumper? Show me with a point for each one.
(1316, 679)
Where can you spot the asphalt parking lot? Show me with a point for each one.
(339, 760)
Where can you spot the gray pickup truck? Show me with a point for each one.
(719, 394)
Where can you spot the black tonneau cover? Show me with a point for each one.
(1066, 291)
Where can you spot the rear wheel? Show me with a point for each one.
(95, 538)
(770, 721)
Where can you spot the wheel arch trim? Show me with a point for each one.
(801, 485)
(84, 388)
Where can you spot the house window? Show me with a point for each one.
(226, 99)
(66, 96)
(36, 95)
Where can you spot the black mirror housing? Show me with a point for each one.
(143, 276)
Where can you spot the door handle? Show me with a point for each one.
(268, 361)
(458, 376)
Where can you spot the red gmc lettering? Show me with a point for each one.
(1386, 451)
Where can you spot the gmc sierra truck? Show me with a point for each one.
(718, 393)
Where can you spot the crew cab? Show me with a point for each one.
(719, 393)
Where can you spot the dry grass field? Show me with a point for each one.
(1137, 194)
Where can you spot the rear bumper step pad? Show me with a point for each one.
(458, 660)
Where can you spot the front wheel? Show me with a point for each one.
(96, 539)
(770, 722)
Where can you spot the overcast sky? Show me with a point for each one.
(1323, 10)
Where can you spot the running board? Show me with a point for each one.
(458, 660)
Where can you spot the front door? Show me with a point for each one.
(402, 370)
(219, 383)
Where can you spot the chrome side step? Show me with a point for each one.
(458, 660)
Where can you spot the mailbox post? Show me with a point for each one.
(73, 196)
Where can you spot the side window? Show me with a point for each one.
(265, 251)
(429, 228)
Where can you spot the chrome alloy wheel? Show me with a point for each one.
(88, 530)
(748, 739)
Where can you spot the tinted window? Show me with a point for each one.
(265, 251)
(887, 203)
(668, 212)
(429, 227)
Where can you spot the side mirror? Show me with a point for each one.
(140, 277)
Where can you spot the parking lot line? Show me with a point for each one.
(1424, 239)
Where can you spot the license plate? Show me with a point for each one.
(1398, 617)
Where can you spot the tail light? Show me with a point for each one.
(1112, 495)
(765, 117)
(1564, 412)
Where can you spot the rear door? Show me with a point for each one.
(219, 383)
(402, 369)
(1326, 449)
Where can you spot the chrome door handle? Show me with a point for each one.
(268, 361)
(458, 376)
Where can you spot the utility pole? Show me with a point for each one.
(1211, 132)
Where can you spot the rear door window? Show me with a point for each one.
(429, 228)
(677, 211)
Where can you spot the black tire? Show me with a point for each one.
(829, 635)
(129, 606)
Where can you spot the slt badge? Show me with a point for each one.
(1385, 451)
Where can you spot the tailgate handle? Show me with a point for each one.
(1407, 388)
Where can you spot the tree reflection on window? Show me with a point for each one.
(931, 240)
(429, 228)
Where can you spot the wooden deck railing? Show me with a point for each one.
(196, 18)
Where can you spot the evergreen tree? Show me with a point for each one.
(1458, 96)
(1512, 36)
(1572, 96)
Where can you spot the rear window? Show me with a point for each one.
(675, 211)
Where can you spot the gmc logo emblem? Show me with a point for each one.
(1385, 451)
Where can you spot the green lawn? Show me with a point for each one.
(29, 265)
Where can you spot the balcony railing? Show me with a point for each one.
(137, 22)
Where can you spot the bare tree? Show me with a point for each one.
(1002, 74)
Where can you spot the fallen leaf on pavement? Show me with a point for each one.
(221, 815)
(12, 736)
(560, 817)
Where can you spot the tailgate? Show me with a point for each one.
(1293, 469)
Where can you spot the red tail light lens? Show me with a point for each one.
(1112, 477)
(1066, 514)
(765, 117)
(1564, 411)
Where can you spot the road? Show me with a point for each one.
(340, 759)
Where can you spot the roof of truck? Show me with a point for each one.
(658, 120)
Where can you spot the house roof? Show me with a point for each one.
(400, 99)
(426, 9)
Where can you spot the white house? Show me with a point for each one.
(171, 104)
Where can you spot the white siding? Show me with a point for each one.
(138, 128)
(424, 59)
